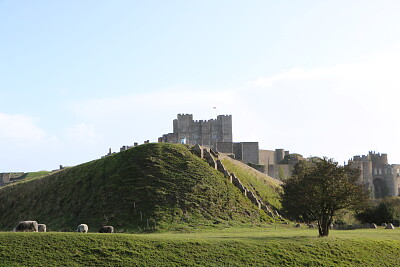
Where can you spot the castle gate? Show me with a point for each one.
(380, 190)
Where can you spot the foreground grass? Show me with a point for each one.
(271, 246)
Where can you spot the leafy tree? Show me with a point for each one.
(319, 188)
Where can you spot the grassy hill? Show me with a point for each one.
(149, 187)
(256, 246)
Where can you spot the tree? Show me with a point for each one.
(319, 188)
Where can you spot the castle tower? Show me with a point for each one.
(279, 154)
(381, 178)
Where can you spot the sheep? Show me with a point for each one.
(26, 226)
(82, 228)
(106, 229)
(42, 227)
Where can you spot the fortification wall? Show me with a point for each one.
(266, 157)
(225, 147)
(280, 171)
(250, 152)
(237, 150)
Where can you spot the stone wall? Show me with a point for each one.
(9, 177)
(4, 178)
(270, 157)
(225, 147)
(266, 157)
(246, 152)
(280, 171)
(237, 150)
(250, 152)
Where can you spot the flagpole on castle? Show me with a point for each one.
(216, 114)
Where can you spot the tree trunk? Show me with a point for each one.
(323, 226)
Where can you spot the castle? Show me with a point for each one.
(381, 178)
(205, 133)
(217, 134)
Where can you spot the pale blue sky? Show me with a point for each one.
(314, 77)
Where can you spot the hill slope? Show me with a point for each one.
(153, 186)
(267, 188)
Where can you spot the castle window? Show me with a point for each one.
(398, 171)
(379, 171)
(375, 173)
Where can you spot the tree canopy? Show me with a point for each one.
(319, 188)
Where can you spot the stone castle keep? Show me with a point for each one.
(205, 133)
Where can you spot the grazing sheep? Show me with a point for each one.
(106, 229)
(82, 228)
(26, 226)
(42, 227)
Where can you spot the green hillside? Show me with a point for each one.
(145, 188)
(267, 188)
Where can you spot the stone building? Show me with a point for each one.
(202, 132)
(9, 177)
(380, 177)
(4, 178)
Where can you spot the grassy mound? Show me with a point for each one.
(149, 187)
(229, 247)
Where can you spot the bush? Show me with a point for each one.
(384, 212)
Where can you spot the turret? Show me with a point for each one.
(279, 154)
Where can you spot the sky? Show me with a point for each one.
(318, 78)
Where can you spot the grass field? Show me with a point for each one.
(273, 245)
